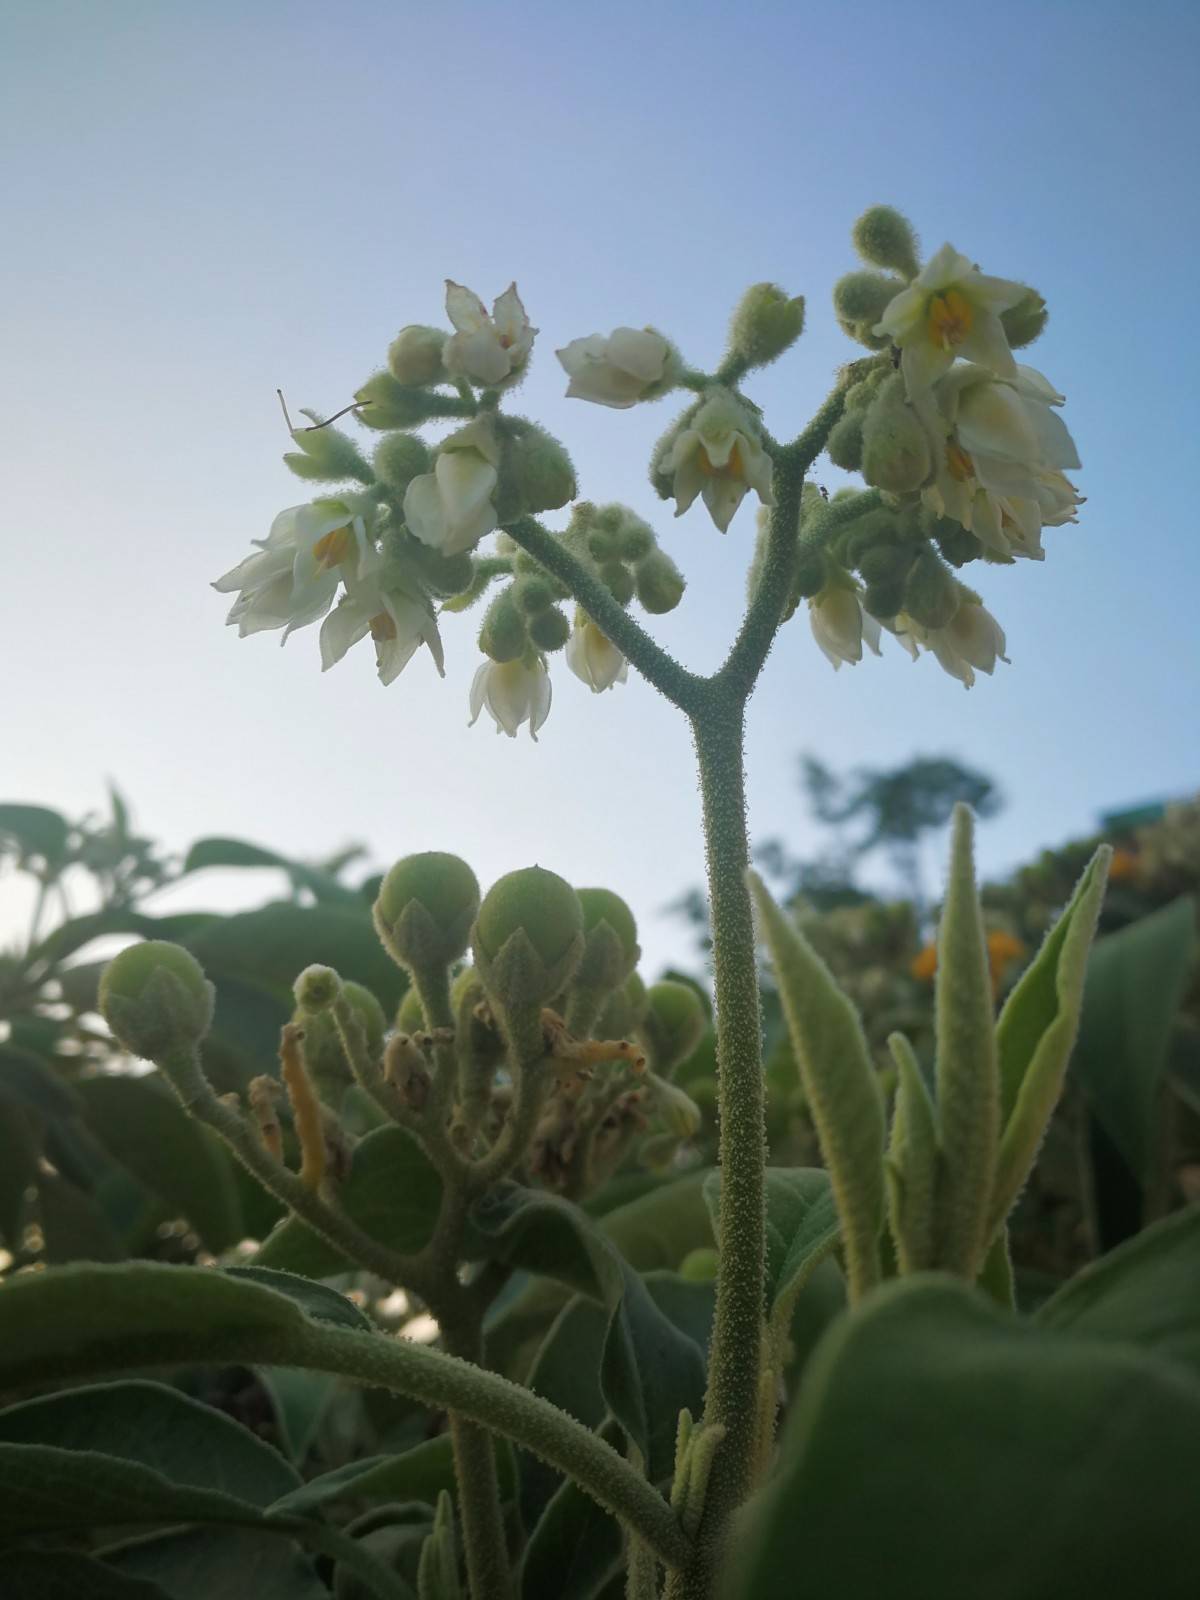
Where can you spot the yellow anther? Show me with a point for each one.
(332, 548)
(949, 318)
(382, 627)
(958, 463)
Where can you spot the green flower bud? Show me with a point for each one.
(533, 593)
(884, 599)
(328, 456)
(155, 998)
(765, 324)
(955, 543)
(659, 583)
(673, 1024)
(504, 633)
(811, 568)
(930, 592)
(885, 238)
(637, 539)
(619, 581)
(388, 404)
(845, 444)
(410, 1018)
(549, 630)
(864, 296)
(324, 1054)
(678, 1110)
(896, 451)
(1026, 321)
(528, 937)
(699, 1266)
(399, 459)
(872, 528)
(415, 356)
(316, 989)
(443, 576)
(602, 544)
(541, 471)
(886, 563)
(425, 908)
(467, 994)
(611, 949)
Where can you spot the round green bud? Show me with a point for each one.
(885, 238)
(425, 908)
(399, 459)
(155, 998)
(864, 296)
(549, 630)
(810, 572)
(385, 403)
(659, 583)
(864, 533)
(886, 563)
(504, 633)
(537, 903)
(673, 1024)
(884, 599)
(956, 544)
(845, 444)
(930, 592)
(541, 471)
(410, 1017)
(618, 580)
(444, 576)
(896, 455)
(317, 988)
(611, 517)
(415, 356)
(699, 1266)
(610, 931)
(864, 333)
(637, 540)
(533, 593)
(1026, 321)
(765, 324)
(602, 544)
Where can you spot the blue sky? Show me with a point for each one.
(207, 202)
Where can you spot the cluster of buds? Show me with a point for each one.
(962, 447)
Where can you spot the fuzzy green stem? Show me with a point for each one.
(475, 1474)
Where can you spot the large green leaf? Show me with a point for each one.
(151, 1425)
(36, 830)
(213, 1563)
(25, 1078)
(393, 1193)
(802, 1228)
(941, 1448)
(1136, 980)
(1145, 1292)
(143, 1126)
(566, 1372)
(218, 852)
(74, 1225)
(316, 1300)
(659, 1228)
(68, 1575)
(574, 1550)
(649, 1370)
(19, 1149)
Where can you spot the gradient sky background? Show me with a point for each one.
(205, 202)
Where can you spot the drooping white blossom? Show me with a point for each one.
(512, 693)
(398, 621)
(950, 309)
(616, 370)
(719, 455)
(293, 577)
(592, 656)
(840, 625)
(451, 508)
(972, 641)
(486, 350)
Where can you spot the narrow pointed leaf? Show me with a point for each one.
(914, 1163)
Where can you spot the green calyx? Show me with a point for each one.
(767, 322)
(383, 403)
(673, 1024)
(327, 456)
(425, 908)
(1026, 321)
(155, 998)
(610, 945)
(528, 937)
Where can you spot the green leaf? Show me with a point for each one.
(1136, 981)
(36, 830)
(26, 1078)
(1145, 1292)
(566, 1371)
(211, 1563)
(150, 1425)
(659, 1228)
(81, 1319)
(1036, 1031)
(968, 1076)
(839, 1080)
(393, 1193)
(301, 1401)
(421, 1473)
(316, 1300)
(244, 1038)
(650, 1370)
(985, 1456)
(19, 1150)
(67, 1575)
(74, 1228)
(143, 1126)
(802, 1228)
(914, 1163)
(217, 852)
(574, 1549)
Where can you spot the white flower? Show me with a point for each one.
(841, 626)
(950, 309)
(294, 576)
(616, 371)
(486, 349)
(1001, 472)
(398, 622)
(513, 692)
(718, 456)
(451, 507)
(972, 639)
(592, 656)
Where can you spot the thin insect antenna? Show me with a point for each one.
(354, 405)
(284, 409)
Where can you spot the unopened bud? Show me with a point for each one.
(425, 908)
(327, 455)
(1025, 322)
(659, 584)
(399, 459)
(765, 324)
(155, 998)
(533, 592)
(504, 634)
(384, 403)
(549, 629)
(673, 1024)
(885, 238)
(317, 988)
(860, 299)
(678, 1110)
(896, 453)
(415, 356)
(528, 937)
(845, 446)
(611, 949)
(541, 471)
(930, 592)
(619, 581)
